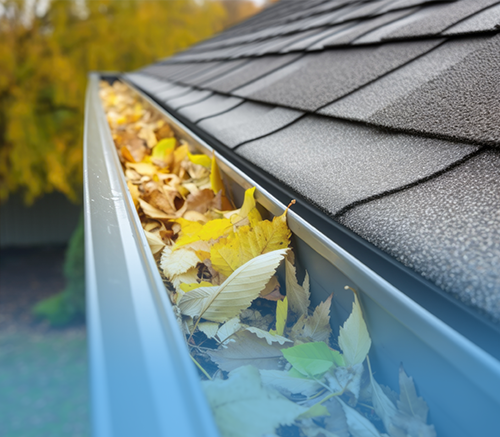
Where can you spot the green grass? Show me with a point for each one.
(44, 384)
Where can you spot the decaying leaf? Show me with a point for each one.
(242, 407)
(298, 296)
(174, 263)
(354, 339)
(246, 349)
(156, 244)
(228, 329)
(268, 336)
(223, 302)
(359, 426)
(286, 383)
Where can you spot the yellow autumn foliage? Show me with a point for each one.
(44, 63)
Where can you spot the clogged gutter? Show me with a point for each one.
(270, 364)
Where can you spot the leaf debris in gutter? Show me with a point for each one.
(270, 362)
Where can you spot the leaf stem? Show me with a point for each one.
(201, 368)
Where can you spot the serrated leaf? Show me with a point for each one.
(247, 242)
(268, 336)
(246, 349)
(223, 302)
(359, 426)
(209, 231)
(382, 405)
(174, 263)
(409, 402)
(228, 329)
(317, 327)
(188, 277)
(298, 296)
(194, 285)
(286, 383)
(354, 339)
(281, 316)
(310, 359)
(209, 328)
(336, 422)
(242, 407)
(156, 244)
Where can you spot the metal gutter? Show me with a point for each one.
(143, 382)
(436, 355)
(462, 318)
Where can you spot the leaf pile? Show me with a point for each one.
(271, 363)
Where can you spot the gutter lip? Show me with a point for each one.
(464, 319)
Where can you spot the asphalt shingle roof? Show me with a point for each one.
(384, 114)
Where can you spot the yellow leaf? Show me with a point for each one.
(203, 160)
(215, 178)
(248, 242)
(247, 211)
(163, 147)
(188, 227)
(281, 316)
(188, 287)
(202, 255)
(209, 231)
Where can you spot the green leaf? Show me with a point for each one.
(354, 339)
(311, 359)
(242, 407)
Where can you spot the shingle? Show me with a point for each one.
(255, 69)
(487, 20)
(325, 33)
(447, 229)
(434, 19)
(335, 163)
(318, 79)
(367, 9)
(207, 108)
(148, 83)
(248, 121)
(461, 103)
(175, 91)
(402, 4)
(349, 34)
(276, 44)
(365, 102)
(194, 96)
(217, 71)
(167, 71)
(194, 70)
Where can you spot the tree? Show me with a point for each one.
(44, 62)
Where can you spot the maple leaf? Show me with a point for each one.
(223, 302)
(316, 327)
(354, 339)
(246, 348)
(250, 241)
(298, 296)
(242, 407)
